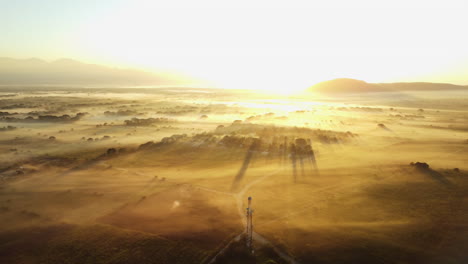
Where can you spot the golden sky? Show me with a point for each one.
(250, 44)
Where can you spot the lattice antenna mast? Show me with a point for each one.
(249, 231)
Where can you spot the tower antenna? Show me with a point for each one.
(249, 229)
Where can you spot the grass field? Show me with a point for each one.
(156, 177)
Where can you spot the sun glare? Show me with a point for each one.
(288, 49)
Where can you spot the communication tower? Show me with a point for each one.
(249, 230)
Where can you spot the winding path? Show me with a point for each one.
(256, 237)
(239, 197)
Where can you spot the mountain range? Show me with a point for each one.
(71, 72)
(63, 72)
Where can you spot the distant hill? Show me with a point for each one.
(71, 72)
(345, 85)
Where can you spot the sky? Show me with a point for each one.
(269, 45)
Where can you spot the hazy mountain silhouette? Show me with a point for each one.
(71, 72)
(346, 85)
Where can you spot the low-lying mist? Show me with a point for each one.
(160, 176)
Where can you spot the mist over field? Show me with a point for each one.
(163, 176)
(233, 132)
